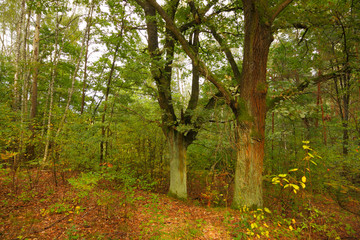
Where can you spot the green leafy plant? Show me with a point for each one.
(85, 183)
(290, 180)
(252, 224)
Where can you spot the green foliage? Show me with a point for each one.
(86, 181)
(72, 233)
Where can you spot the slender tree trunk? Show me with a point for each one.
(20, 28)
(342, 90)
(26, 69)
(322, 112)
(108, 86)
(346, 111)
(51, 88)
(35, 63)
(72, 89)
(23, 95)
(34, 92)
(272, 132)
(88, 27)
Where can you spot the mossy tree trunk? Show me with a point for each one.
(251, 106)
(178, 171)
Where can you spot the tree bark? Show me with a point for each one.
(178, 171)
(20, 28)
(51, 88)
(34, 93)
(88, 25)
(163, 76)
(250, 107)
(72, 89)
(108, 86)
(320, 102)
(36, 45)
(251, 111)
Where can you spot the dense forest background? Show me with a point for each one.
(253, 104)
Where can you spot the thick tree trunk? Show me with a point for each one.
(251, 108)
(178, 172)
(248, 170)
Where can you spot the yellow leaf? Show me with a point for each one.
(293, 221)
(313, 163)
(267, 210)
(306, 147)
(291, 228)
(303, 179)
(305, 142)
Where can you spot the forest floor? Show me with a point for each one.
(47, 211)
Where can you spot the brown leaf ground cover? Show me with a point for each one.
(42, 210)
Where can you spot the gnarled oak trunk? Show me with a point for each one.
(178, 148)
(251, 107)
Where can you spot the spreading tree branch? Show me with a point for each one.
(279, 8)
(190, 52)
(302, 86)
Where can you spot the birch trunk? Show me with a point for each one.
(51, 89)
(20, 28)
(88, 25)
(73, 78)
(36, 45)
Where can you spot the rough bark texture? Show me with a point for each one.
(251, 111)
(177, 146)
(249, 108)
(162, 75)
